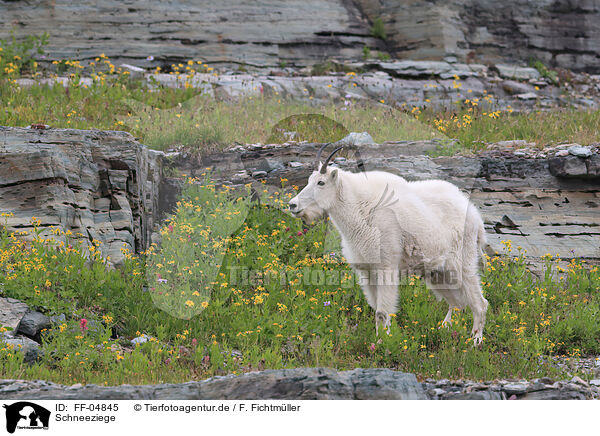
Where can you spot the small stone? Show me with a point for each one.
(578, 150)
(140, 339)
(294, 164)
(58, 319)
(562, 153)
(527, 96)
(239, 176)
(134, 72)
(511, 144)
(515, 388)
(513, 87)
(355, 138)
(274, 164)
(259, 174)
(39, 126)
(518, 73)
(595, 382)
(579, 381)
(519, 153)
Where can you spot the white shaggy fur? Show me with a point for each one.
(389, 225)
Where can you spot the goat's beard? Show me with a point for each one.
(311, 214)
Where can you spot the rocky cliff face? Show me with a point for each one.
(259, 33)
(99, 185)
(561, 33)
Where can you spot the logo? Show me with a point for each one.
(26, 415)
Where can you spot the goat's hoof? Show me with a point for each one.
(381, 318)
(445, 325)
(477, 339)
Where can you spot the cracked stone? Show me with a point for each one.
(578, 150)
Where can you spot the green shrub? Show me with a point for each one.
(545, 71)
(366, 52)
(378, 28)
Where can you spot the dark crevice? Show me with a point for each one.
(48, 180)
(570, 224)
(562, 235)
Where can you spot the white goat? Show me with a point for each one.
(389, 225)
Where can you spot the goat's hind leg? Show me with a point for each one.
(446, 295)
(477, 303)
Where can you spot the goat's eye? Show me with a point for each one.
(320, 183)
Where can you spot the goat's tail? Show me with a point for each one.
(480, 238)
(481, 244)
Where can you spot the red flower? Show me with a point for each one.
(83, 325)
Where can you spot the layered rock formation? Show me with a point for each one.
(560, 33)
(290, 384)
(311, 384)
(99, 185)
(259, 33)
(106, 186)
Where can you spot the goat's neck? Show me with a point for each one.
(348, 216)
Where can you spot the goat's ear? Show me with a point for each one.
(334, 175)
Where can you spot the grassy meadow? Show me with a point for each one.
(237, 286)
(164, 118)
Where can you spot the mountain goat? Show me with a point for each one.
(389, 225)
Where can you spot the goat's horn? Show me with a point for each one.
(359, 162)
(324, 167)
(318, 160)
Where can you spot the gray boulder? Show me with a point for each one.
(30, 348)
(32, 324)
(11, 312)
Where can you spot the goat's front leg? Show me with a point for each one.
(382, 318)
(387, 300)
(367, 287)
